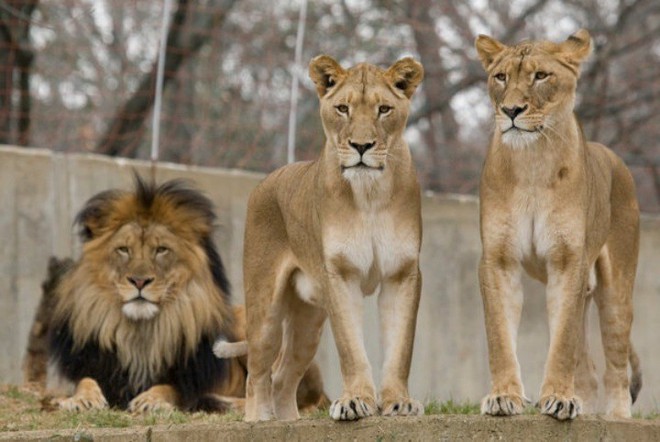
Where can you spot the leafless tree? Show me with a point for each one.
(185, 37)
(230, 64)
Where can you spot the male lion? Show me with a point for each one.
(320, 235)
(134, 320)
(563, 209)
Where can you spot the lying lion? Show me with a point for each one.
(131, 324)
(564, 210)
(321, 235)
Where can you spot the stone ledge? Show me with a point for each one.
(437, 427)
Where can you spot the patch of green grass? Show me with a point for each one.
(97, 419)
(451, 407)
(530, 410)
(319, 413)
(13, 392)
(649, 415)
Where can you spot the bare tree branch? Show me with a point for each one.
(125, 132)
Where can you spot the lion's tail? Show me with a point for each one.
(636, 378)
(224, 349)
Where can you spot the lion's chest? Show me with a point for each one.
(365, 250)
(531, 223)
(372, 247)
(541, 227)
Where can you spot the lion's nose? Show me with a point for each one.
(140, 283)
(513, 112)
(361, 148)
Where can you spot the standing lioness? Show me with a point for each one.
(563, 209)
(320, 235)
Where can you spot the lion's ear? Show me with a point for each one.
(406, 74)
(325, 72)
(93, 217)
(488, 48)
(576, 48)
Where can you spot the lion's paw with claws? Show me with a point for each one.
(352, 408)
(560, 407)
(402, 407)
(503, 404)
(148, 402)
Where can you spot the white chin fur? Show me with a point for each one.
(140, 310)
(519, 140)
(361, 173)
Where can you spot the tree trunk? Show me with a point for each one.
(124, 134)
(442, 151)
(16, 58)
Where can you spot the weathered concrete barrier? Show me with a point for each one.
(426, 428)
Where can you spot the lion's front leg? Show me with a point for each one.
(344, 307)
(158, 398)
(566, 292)
(397, 307)
(87, 396)
(501, 291)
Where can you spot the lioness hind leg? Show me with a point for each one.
(614, 302)
(263, 347)
(264, 335)
(617, 264)
(397, 306)
(586, 380)
(502, 295)
(302, 331)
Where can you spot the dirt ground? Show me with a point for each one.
(425, 428)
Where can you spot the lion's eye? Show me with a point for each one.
(161, 250)
(384, 109)
(500, 77)
(123, 250)
(540, 75)
(342, 108)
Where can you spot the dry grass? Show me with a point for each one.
(20, 409)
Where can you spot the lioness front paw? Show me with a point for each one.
(149, 402)
(503, 404)
(402, 407)
(560, 408)
(352, 408)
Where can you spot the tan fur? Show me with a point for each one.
(565, 211)
(320, 235)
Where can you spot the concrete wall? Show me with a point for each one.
(40, 193)
(424, 428)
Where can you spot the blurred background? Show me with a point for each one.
(79, 76)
